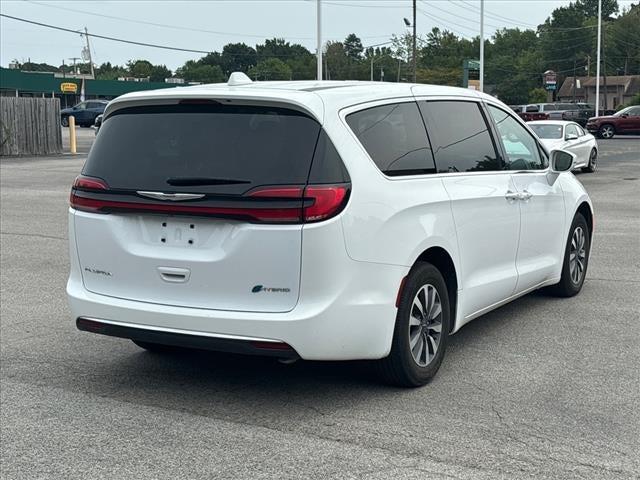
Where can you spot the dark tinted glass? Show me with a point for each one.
(459, 135)
(142, 148)
(327, 165)
(395, 138)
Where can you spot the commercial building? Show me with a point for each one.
(69, 89)
(619, 91)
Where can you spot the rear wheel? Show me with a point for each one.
(576, 259)
(607, 131)
(593, 162)
(156, 347)
(421, 330)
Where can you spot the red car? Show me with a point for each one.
(626, 121)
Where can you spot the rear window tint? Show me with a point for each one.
(395, 138)
(460, 136)
(327, 165)
(141, 148)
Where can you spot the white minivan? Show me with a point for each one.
(318, 220)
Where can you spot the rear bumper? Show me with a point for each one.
(179, 338)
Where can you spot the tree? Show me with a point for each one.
(237, 57)
(538, 95)
(140, 68)
(270, 69)
(589, 8)
(353, 47)
(106, 71)
(159, 73)
(193, 71)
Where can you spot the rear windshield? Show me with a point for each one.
(547, 131)
(206, 148)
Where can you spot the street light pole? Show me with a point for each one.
(598, 59)
(414, 42)
(482, 45)
(319, 38)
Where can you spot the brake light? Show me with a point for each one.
(90, 183)
(328, 201)
(279, 204)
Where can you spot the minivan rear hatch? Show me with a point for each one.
(201, 205)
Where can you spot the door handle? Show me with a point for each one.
(174, 275)
(525, 195)
(512, 195)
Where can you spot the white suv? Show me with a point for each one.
(320, 220)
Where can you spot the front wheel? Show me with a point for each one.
(593, 162)
(576, 259)
(421, 330)
(606, 131)
(65, 121)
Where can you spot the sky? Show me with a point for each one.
(208, 25)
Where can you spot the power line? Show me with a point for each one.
(164, 25)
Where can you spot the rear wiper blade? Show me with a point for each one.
(195, 181)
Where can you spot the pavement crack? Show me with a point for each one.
(37, 235)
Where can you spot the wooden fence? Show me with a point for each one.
(30, 126)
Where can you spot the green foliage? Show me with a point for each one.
(353, 47)
(270, 69)
(538, 95)
(635, 100)
(193, 71)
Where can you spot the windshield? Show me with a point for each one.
(547, 131)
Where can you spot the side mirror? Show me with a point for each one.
(624, 115)
(561, 161)
(570, 136)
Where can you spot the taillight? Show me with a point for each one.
(328, 201)
(277, 204)
(320, 202)
(87, 184)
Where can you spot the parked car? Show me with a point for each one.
(624, 122)
(85, 113)
(318, 220)
(97, 123)
(569, 136)
(529, 113)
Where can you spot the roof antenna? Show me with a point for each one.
(238, 78)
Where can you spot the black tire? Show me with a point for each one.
(568, 287)
(400, 368)
(65, 121)
(593, 162)
(606, 131)
(156, 347)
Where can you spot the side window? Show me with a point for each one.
(571, 130)
(459, 135)
(81, 106)
(395, 138)
(581, 132)
(521, 149)
(634, 112)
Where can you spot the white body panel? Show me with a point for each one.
(581, 146)
(344, 273)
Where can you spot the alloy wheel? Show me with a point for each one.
(607, 131)
(593, 160)
(425, 325)
(577, 255)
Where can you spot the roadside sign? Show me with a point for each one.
(68, 87)
(550, 80)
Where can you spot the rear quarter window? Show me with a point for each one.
(395, 138)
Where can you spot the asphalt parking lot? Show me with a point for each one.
(541, 388)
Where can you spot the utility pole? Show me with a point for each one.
(319, 38)
(482, 45)
(598, 59)
(604, 70)
(86, 36)
(574, 80)
(414, 42)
